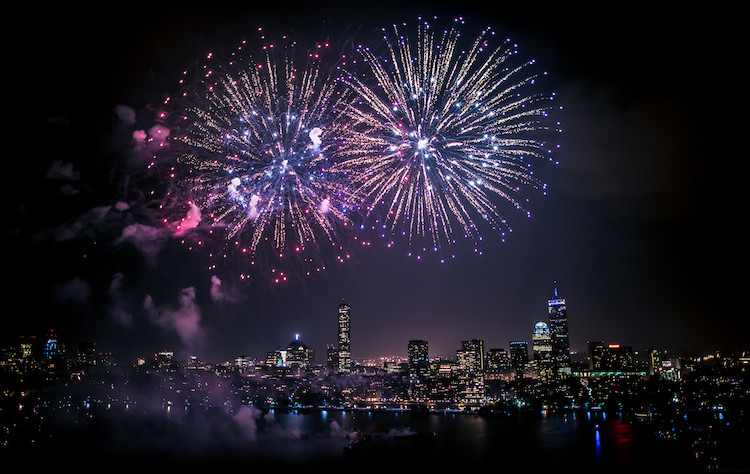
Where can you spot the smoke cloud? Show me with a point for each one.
(117, 312)
(75, 290)
(218, 294)
(60, 170)
(126, 114)
(190, 221)
(149, 240)
(184, 319)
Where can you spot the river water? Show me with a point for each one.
(251, 440)
(404, 442)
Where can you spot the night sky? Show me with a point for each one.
(640, 226)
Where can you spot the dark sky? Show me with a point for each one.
(640, 226)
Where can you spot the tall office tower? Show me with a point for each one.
(419, 364)
(542, 347)
(472, 352)
(519, 354)
(345, 360)
(558, 328)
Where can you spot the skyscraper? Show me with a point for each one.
(542, 346)
(558, 328)
(419, 365)
(519, 355)
(471, 355)
(345, 361)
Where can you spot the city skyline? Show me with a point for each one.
(636, 226)
(536, 348)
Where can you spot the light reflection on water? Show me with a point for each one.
(284, 441)
(590, 443)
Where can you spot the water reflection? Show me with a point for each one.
(589, 443)
(584, 442)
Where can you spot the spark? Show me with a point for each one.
(257, 136)
(441, 135)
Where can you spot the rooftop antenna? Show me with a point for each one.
(555, 283)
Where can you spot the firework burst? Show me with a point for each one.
(441, 134)
(255, 142)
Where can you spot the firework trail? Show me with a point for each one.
(256, 138)
(439, 133)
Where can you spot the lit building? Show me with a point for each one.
(618, 358)
(542, 347)
(86, 355)
(558, 327)
(596, 355)
(469, 380)
(498, 359)
(471, 355)
(655, 366)
(274, 359)
(192, 362)
(332, 356)
(344, 354)
(470, 388)
(519, 355)
(497, 365)
(298, 355)
(606, 360)
(164, 359)
(51, 348)
(419, 365)
(242, 362)
(27, 347)
(446, 369)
